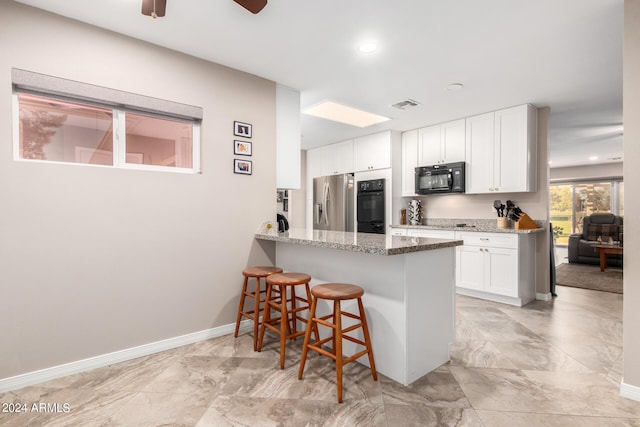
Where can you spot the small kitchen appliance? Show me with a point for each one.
(283, 223)
(440, 179)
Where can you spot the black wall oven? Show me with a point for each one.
(440, 179)
(370, 212)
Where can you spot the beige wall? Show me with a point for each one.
(631, 107)
(95, 260)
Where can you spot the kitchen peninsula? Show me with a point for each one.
(409, 285)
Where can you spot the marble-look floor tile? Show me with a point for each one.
(585, 394)
(479, 354)
(426, 416)
(250, 411)
(615, 374)
(148, 409)
(73, 407)
(436, 389)
(499, 328)
(519, 419)
(545, 392)
(539, 355)
(550, 363)
(501, 390)
(598, 358)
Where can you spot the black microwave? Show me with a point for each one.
(440, 179)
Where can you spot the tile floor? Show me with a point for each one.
(555, 363)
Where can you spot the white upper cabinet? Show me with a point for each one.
(409, 162)
(501, 151)
(479, 164)
(443, 143)
(287, 137)
(516, 149)
(314, 162)
(337, 158)
(372, 152)
(333, 159)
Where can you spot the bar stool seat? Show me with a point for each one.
(259, 272)
(337, 292)
(276, 299)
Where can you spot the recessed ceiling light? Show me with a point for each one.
(592, 158)
(368, 47)
(341, 113)
(455, 86)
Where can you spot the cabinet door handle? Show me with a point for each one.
(484, 239)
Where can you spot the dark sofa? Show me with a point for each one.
(603, 225)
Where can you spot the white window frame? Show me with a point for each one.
(47, 86)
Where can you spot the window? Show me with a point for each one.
(141, 133)
(571, 202)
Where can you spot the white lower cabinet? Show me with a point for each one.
(496, 266)
(434, 234)
(398, 231)
(493, 266)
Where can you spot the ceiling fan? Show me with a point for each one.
(157, 8)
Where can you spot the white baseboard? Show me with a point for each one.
(47, 374)
(518, 302)
(544, 296)
(629, 391)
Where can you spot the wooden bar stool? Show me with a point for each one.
(337, 292)
(276, 299)
(254, 314)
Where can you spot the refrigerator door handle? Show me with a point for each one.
(325, 200)
(318, 212)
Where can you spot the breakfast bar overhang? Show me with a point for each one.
(409, 285)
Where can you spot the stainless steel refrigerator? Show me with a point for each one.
(333, 198)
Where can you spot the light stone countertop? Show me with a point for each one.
(478, 225)
(378, 244)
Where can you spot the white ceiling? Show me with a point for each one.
(564, 54)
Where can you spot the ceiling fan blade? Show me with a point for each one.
(253, 6)
(149, 6)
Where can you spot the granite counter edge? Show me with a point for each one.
(472, 229)
(375, 250)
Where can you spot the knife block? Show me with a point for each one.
(525, 223)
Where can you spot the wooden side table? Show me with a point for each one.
(605, 250)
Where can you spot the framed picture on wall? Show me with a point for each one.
(242, 129)
(244, 167)
(242, 148)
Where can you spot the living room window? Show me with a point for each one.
(570, 202)
(57, 120)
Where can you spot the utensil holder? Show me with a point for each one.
(503, 222)
(526, 223)
(414, 212)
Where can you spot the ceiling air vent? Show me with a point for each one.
(407, 103)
